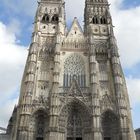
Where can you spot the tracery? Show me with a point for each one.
(74, 68)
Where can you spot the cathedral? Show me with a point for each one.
(73, 86)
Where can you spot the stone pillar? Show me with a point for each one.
(54, 99)
(95, 95)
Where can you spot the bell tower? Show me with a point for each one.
(111, 118)
(97, 18)
(41, 74)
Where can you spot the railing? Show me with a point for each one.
(74, 45)
(65, 91)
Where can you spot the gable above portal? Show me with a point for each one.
(75, 38)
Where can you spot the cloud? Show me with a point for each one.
(14, 27)
(127, 26)
(12, 60)
(6, 112)
(134, 90)
(133, 85)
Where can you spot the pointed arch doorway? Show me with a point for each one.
(40, 124)
(39, 138)
(75, 121)
(74, 124)
(110, 126)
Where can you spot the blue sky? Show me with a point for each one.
(130, 4)
(16, 22)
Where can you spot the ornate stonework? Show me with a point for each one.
(73, 87)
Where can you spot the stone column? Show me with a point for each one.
(96, 128)
(54, 99)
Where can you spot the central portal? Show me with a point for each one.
(39, 138)
(75, 121)
(107, 138)
(74, 125)
(74, 138)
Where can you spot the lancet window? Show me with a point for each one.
(95, 20)
(46, 18)
(103, 20)
(55, 18)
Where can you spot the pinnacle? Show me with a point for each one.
(75, 20)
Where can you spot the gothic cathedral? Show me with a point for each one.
(73, 87)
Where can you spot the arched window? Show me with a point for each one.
(45, 18)
(95, 20)
(74, 68)
(55, 18)
(103, 20)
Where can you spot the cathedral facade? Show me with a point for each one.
(73, 87)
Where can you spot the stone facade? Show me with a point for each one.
(73, 87)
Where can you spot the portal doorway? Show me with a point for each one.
(107, 138)
(70, 138)
(74, 124)
(39, 138)
(110, 126)
(75, 121)
(40, 125)
(78, 138)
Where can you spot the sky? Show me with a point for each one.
(16, 23)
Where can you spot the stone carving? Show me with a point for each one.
(40, 102)
(74, 65)
(107, 103)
